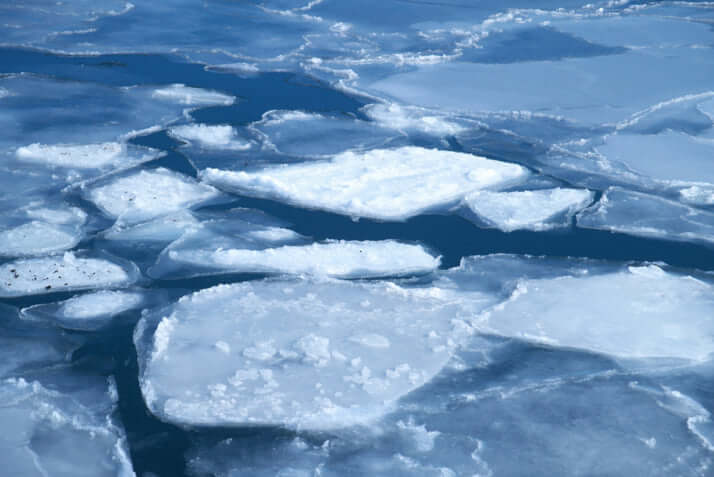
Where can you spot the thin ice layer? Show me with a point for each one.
(629, 312)
(61, 273)
(214, 137)
(302, 354)
(84, 156)
(532, 210)
(186, 95)
(148, 194)
(386, 184)
(51, 433)
(340, 259)
(36, 230)
(634, 213)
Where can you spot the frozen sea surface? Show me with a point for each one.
(356, 238)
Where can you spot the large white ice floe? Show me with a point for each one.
(62, 273)
(532, 209)
(625, 311)
(297, 353)
(38, 230)
(635, 213)
(148, 194)
(212, 137)
(335, 258)
(85, 312)
(189, 96)
(386, 184)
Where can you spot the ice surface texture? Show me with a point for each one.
(385, 184)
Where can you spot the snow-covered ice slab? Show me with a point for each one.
(189, 96)
(85, 312)
(334, 258)
(625, 311)
(532, 210)
(62, 273)
(634, 213)
(48, 433)
(296, 353)
(386, 184)
(211, 137)
(147, 194)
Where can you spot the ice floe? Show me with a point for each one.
(634, 213)
(186, 95)
(36, 230)
(166, 228)
(532, 210)
(62, 273)
(386, 184)
(296, 353)
(335, 258)
(84, 156)
(410, 119)
(85, 312)
(148, 194)
(218, 137)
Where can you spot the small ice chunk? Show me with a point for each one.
(532, 210)
(84, 156)
(149, 194)
(635, 213)
(216, 137)
(182, 94)
(37, 238)
(61, 273)
(342, 259)
(394, 116)
(329, 361)
(386, 184)
(85, 312)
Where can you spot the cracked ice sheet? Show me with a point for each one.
(148, 194)
(634, 213)
(316, 354)
(63, 273)
(384, 184)
(532, 210)
(56, 422)
(554, 409)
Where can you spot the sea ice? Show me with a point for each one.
(161, 229)
(182, 94)
(147, 194)
(635, 213)
(62, 273)
(532, 209)
(385, 184)
(307, 353)
(411, 119)
(84, 156)
(216, 137)
(85, 312)
(335, 258)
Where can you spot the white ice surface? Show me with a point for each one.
(36, 230)
(85, 156)
(186, 95)
(148, 194)
(668, 156)
(386, 184)
(302, 354)
(411, 119)
(61, 273)
(163, 229)
(634, 213)
(101, 303)
(216, 137)
(341, 259)
(532, 210)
